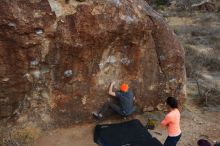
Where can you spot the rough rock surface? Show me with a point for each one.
(206, 5)
(57, 60)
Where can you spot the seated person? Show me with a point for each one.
(126, 102)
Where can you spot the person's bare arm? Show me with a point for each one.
(166, 121)
(110, 92)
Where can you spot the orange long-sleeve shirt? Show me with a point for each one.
(172, 122)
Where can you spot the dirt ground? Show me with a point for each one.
(195, 124)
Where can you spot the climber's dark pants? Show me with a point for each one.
(172, 141)
(110, 105)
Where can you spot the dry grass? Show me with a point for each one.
(19, 137)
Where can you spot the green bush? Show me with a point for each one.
(160, 2)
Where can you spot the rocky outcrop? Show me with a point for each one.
(58, 58)
(206, 5)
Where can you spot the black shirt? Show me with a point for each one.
(126, 100)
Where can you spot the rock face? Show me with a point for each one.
(206, 5)
(57, 59)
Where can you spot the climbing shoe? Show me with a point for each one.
(98, 116)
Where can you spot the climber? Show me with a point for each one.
(125, 97)
(172, 122)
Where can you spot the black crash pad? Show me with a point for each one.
(130, 133)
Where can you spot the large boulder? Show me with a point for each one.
(58, 58)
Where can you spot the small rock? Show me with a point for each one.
(34, 62)
(172, 80)
(161, 107)
(39, 31)
(68, 73)
(200, 123)
(148, 109)
(101, 65)
(29, 77)
(205, 5)
(111, 59)
(204, 136)
(46, 118)
(125, 61)
(5, 79)
(45, 94)
(11, 24)
(36, 74)
(84, 100)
